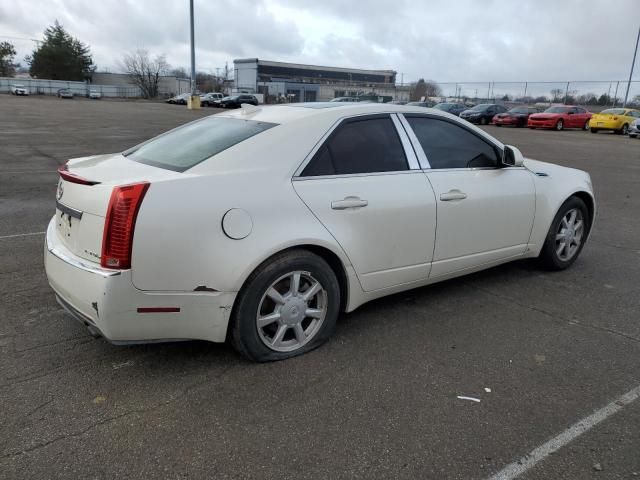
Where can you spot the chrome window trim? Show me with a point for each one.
(351, 175)
(422, 157)
(297, 175)
(409, 151)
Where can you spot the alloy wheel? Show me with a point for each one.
(291, 311)
(625, 129)
(559, 125)
(569, 234)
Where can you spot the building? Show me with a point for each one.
(309, 83)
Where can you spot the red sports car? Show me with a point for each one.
(517, 116)
(560, 117)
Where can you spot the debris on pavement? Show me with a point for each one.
(597, 467)
(461, 397)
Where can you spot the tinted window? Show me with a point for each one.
(189, 145)
(450, 146)
(362, 146)
(556, 110)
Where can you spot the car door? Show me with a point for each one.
(485, 211)
(365, 185)
(573, 118)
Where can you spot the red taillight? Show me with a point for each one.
(117, 239)
(64, 172)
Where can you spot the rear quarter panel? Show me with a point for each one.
(179, 241)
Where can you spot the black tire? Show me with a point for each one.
(532, 128)
(560, 125)
(548, 256)
(594, 130)
(483, 121)
(497, 125)
(243, 331)
(586, 125)
(624, 130)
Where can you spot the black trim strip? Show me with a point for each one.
(72, 212)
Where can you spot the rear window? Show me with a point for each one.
(614, 111)
(186, 146)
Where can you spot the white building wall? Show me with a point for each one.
(246, 77)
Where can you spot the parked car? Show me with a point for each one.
(173, 239)
(19, 90)
(482, 113)
(95, 94)
(209, 99)
(65, 93)
(425, 104)
(616, 119)
(560, 117)
(517, 116)
(634, 129)
(235, 101)
(344, 99)
(179, 99)
(451, 107)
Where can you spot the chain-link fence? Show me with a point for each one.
(589, 93)
(37, 86)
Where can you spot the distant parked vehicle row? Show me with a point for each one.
(209, 99)
(235, 101)
(451, 107)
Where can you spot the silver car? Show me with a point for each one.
(634, 129)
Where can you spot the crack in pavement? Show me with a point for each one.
(182, 393)
(555, 317)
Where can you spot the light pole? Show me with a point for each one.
(635, 52)
(193, 103)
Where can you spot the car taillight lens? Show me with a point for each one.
(117, 239)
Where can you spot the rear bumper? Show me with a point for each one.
(506, 121)
(107, 303)
(605, 125)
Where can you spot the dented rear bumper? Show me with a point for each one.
(107, 303)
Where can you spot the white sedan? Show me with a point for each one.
(262, 225)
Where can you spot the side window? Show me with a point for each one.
(362, 146)
(573, 110)
(580, 110)
(448, 145)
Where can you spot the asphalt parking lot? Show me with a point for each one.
(378, 401)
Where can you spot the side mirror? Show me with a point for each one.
(512, 157)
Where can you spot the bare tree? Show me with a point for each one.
(145, 72)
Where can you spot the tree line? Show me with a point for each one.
(60, 56)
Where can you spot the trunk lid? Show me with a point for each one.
(81, 208)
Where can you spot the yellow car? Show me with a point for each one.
(616, 119)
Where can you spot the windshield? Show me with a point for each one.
(613, 111)
(186, 146)
(481, 107)
(557, 110)
(519, 110)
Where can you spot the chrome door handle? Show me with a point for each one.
(349, 202)
(452, 195)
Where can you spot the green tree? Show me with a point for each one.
(61, 57)
(7, 54)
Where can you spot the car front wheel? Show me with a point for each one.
(559, 125)
(566, 235)
(287, 307)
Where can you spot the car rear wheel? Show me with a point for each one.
(483, 121)
(559, 125)
(287, 307)
(594, 130)
(566, 235)
(586, 125)
(624, 130)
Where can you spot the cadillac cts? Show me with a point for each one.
(261, 225)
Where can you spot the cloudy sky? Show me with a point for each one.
(452, 40)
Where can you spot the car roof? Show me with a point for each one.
(282, 114)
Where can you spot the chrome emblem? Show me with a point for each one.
(60, 190)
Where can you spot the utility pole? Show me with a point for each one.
(193, 102)
(633, 62)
